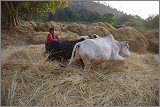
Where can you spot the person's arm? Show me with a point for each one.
(49, 38)
(56, 36)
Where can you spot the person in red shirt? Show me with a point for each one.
(51, 37)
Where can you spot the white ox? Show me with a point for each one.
(99, 50)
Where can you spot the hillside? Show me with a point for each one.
(94, 7)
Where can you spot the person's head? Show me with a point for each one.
(51, 30)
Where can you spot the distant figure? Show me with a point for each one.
(52, 40)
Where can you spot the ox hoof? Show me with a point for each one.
(61, 65)
(80, 73)
(126, 66)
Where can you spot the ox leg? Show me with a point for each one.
(82, 63)
(104, 65)
(118, 57)
(49, 58)
(53, 57)
(92, 61)
(73, 60)
(112, 61)
(56, 56)
(58, 59)
(126, 64)
(88, 65)
(86, 62)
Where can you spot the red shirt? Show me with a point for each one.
(50, 38)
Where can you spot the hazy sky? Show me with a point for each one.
(140, 8)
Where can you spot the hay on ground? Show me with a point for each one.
(27, 80)
(29, 24)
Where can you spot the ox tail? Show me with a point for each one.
(73, 53)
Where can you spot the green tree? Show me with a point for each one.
(69, 14)
(131, 20)
(109, 17)
(122, 19)
(135, 21)
(64, 14)
(152, 22)
(11, 9)
(37, 7)
(10, 13)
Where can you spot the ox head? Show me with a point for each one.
(124, 48)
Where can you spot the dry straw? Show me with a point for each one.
(28, 80)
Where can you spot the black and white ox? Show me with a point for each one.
(99, 50)
(63, 49)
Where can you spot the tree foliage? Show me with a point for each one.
(33, 8)
(63, 14)
(10, 13)
(135, 21)
(80, 15)
(109, 17)
(152, 22)
(70, 15)
(58, 11)
(26, 9)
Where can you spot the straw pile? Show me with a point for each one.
(44, 26)
(28, 80)
(41, 37)
(82, 29)
(153, 39)
(137, 42)
(105, 25)
(17, 35)
(29, 24)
